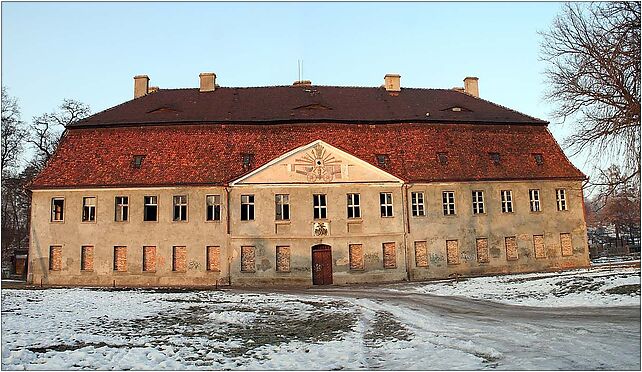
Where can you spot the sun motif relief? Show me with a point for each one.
(318, 165)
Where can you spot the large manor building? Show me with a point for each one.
(303, 184)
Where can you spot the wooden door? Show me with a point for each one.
(321, 265)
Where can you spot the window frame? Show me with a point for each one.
(561, 200)
(124, 207)
(449, 207)
(353, 206)
(89, 209)
(216, 206)
(535, 203)
(83, 249)
(506, 197)
(145, 205)
(53, 210)
(250, 213)
(386, 206)
(180, 217)
(282, 207)
(478, 202)
(417, 208)
(319, 210)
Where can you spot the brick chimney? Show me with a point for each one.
(141, 85)
(302, 82)
(392, 82)
(471, 86)
(208, 81)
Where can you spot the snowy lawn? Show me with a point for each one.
(333, 328)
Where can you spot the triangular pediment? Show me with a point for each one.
(316, 162)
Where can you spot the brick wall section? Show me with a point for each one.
(356, 257)
(567, 244)
(283, 258)
(511, 248)
(538, 244)
(87, 258)
(213, 258)
(149, 258)
(452, 252)
(421, 254)
(482, 250)
(55, 258)
(389, 256)
(179, 259)
(248, 258)
(120, 258)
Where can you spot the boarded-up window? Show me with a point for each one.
(421, 254)
(55, 258)
(120, 258)
(511, 248)
(282, 258)
(149, 258)
(87, 258)
(356, 256)
(248, 258)
(567, 245)
(452, 252)
(389, 256)
(538, 243)
(482, 250)
(179, 259)
(213, 258)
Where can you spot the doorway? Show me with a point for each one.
(321, 264)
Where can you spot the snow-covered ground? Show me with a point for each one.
(385, 327)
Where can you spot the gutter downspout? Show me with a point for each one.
(406, 227)
(227, 223)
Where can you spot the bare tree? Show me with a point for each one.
(593, 69)
(13, 133)
(47, 129)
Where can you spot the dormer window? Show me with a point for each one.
(247, 160)
(539, 159)
(442, 157)
(138, 161)
(383, 160)
(494, 156)
(456, 109)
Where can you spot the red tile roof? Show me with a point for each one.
(307, 104)
(212, 153)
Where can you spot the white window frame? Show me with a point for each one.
(150, 204)
(562, 204)
(386, 203)
(90, 214)
(247, 202)
(534, 197)
(417, 203)
(53, 210)
(478, 202)
(179, 201)
(448, 203)
(319, 209)
(354, 205)
(121, 206)
(507, 201)
(282, 204)
(212, 201)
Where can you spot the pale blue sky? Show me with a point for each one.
(91, 51)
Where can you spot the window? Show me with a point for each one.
(356, 256)
(89, 209)
(87, 258)
(213, 258)
(385, 198)
(282, 258)
(448, 199)
(150, 208)
(149, 259)
(421, 254)
(120, 258)
(442, 157)
(539, 159)
(452, 252)
(213, 206)
(383, 160)
(354, 206)
(180, 208)
(478, 202)
(57, 209)
(248, 262)
(282, 202)
(122, 208)
(137, 162)
(247, 207)
(507, 201)
(247, 159)
(567, 244)
(561, 199)
(320, 207)
(494, 156)
(511, 248)
(538, 245)
(179, 258)
(482, 250)
(533, 195)
(389, 256)
(417, 204)
(55, 258)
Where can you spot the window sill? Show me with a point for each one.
(355, 220)
(82, 271)
(282, 222)
(61, 221)
(213, 221)
(419, 216)
(150, 221)
(148, 272)
(214, 271)
(88, 222)
(387, 216)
